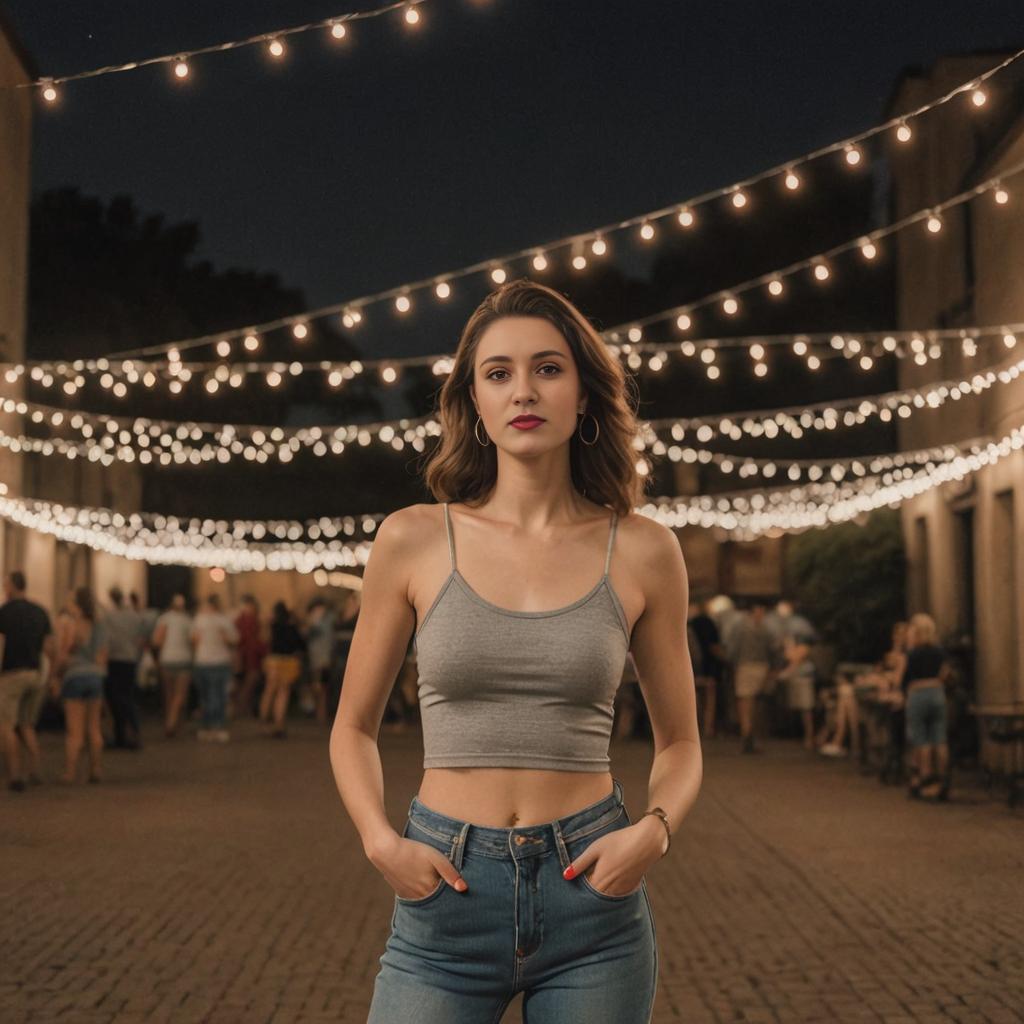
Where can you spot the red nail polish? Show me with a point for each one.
(569, 872)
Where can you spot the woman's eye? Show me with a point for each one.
(546, 366)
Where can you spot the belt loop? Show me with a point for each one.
(618, 790)
(563, 853)
(459, 846)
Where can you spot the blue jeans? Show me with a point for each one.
(576, 953)
(212, 683)
(926, 716)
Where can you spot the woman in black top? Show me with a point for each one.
(925, 695)
(281, 667)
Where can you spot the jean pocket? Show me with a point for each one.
(419, 835)
(576, 846)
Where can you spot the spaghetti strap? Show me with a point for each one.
(611, 540)
(451, 539)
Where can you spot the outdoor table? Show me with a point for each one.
(1003, 726)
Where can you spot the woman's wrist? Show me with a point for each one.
(654, 833)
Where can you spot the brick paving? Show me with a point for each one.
(224, 884)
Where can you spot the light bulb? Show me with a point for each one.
(1001, 195)
(853, 155)
(579, 262)
(934, 223)
(412, 16)
(686, 218)
(181, 68)
(223, 348)
(338, 30)
(730, 306)
(821, 271)
(599, 246)
(276, 48)
(978, 96)
(775, 286)
(646, 231)
(868, 250)
(683, 321)
(498, 275)
(540, 262)
(403, 304)
(50, 92)
(739, 198)
(903, 132)
(300, 330)
(251, 343)
(442, 290)
(792, 180)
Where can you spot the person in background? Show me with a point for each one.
(751, 650)
(320, 639)
(172, 640)
(251, 651)
(798, 676)
(711, 655)
(125, 639)
(214, 637)
(81, 667)
(282, 667)
(923, 685)
(885, 676)
(27, 635)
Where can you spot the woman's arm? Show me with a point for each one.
(379, 643)
(666, 678)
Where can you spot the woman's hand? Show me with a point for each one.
(621, 858)
(412, 868)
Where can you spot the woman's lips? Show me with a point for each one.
(526, 424)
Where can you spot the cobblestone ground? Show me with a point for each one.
(206, 883)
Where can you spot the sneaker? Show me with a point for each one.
(833, 750)
(221, 736)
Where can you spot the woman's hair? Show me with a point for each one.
(83, 599)
(922, 629)
(280, 613)
(459, 468)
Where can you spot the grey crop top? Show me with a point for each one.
(519, 689)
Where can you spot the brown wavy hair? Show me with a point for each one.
(460, 469)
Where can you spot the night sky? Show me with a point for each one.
(494, 126)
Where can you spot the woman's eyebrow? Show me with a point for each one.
(536, 355)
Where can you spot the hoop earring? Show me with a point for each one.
(476, 435)
(597, 426)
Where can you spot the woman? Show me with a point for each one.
(517, 868)
(925, 694)
(320, 626)
(281, 668)
(81, 666)
(172, 640)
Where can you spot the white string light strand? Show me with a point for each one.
(351, 310)
(106, 439)
(243, 545)
(336, 24)
(864, 347)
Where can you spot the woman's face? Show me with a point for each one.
(523, 365)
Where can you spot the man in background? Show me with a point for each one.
(26, 634)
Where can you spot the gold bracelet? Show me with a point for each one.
(664, 820)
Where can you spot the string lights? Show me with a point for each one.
(862, 348)
(353, 312)
(106, 439)
(337, 27)
(325, 544)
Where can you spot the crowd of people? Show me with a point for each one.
(214, 665)
(209, 663)
(756, 652)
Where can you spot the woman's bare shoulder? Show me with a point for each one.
(648, 542)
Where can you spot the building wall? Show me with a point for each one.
(972, 273)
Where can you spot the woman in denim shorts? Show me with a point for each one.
(517, 871)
